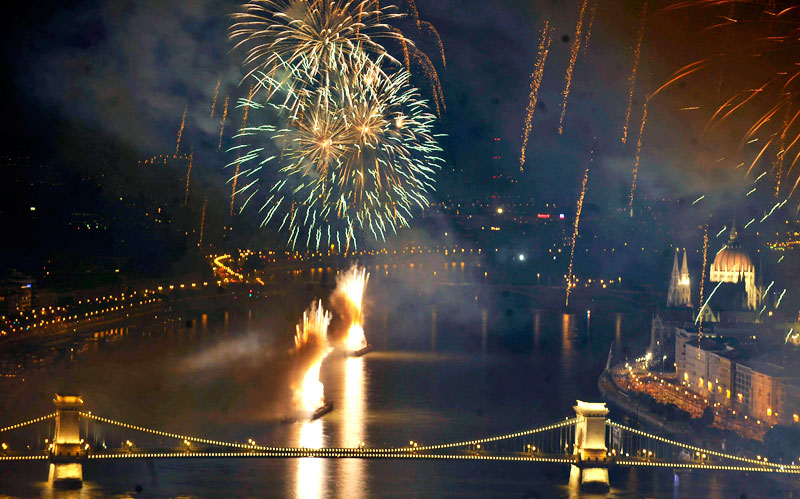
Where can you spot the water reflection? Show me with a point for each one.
(352, 476)
(310, 470)
(566, 333)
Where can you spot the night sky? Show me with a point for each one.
(95, 86)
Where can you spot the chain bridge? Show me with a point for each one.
(589, 443)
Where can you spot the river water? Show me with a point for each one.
(450, 363)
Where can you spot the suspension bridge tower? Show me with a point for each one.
(590, 471)
(68, 451)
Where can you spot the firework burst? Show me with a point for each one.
(321, 36)
(357, 156)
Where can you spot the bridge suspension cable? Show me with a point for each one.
(382, 451)
(26, 423)
(330, 453)
(555, 426)
(665, 464)
(699, 449)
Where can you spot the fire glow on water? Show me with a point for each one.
(352, 286)
(311, 348)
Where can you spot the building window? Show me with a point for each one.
(728, 393)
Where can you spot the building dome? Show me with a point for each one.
(733, 260)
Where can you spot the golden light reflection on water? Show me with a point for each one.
(566, 332)
(310, 471)
(353, 474)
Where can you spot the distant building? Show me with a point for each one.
(733, 265)
(765, 388)
(680, 290)
(15, 294)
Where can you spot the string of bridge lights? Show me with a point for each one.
(763, 462)
(328, 453)
(26, 423)
(567, 422)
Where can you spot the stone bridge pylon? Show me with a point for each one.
(590, 471)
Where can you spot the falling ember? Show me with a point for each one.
(589, 27)
(778, 163)
(188, 175)
(222, 122)
(638, 155)
(632, 80)
(573, 56)
(575, 226)
(180, 130)
(238, 164)
(536, 81)
(203, 221)
(703, 280)
(311, 348)
(349, 298)
(216, 93)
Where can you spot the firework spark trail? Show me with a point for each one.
(724, 228)
(406, 58)
(778, 163)
(703, 280)
(700, 313)
(222, 123)
(216, 93)
(589, 27)
(632, 79)
(188, 175)
(698, 199)
(536, 81)
(576, 225)
(436, 86)
(414, 13)
(573, 57)
(438, 39)
(780, 298)
(203, 221)
(638, 156)
(764, 294)
(238, 163)
(180, 130)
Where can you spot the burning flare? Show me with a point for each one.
(311, 348)
(348, 299)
